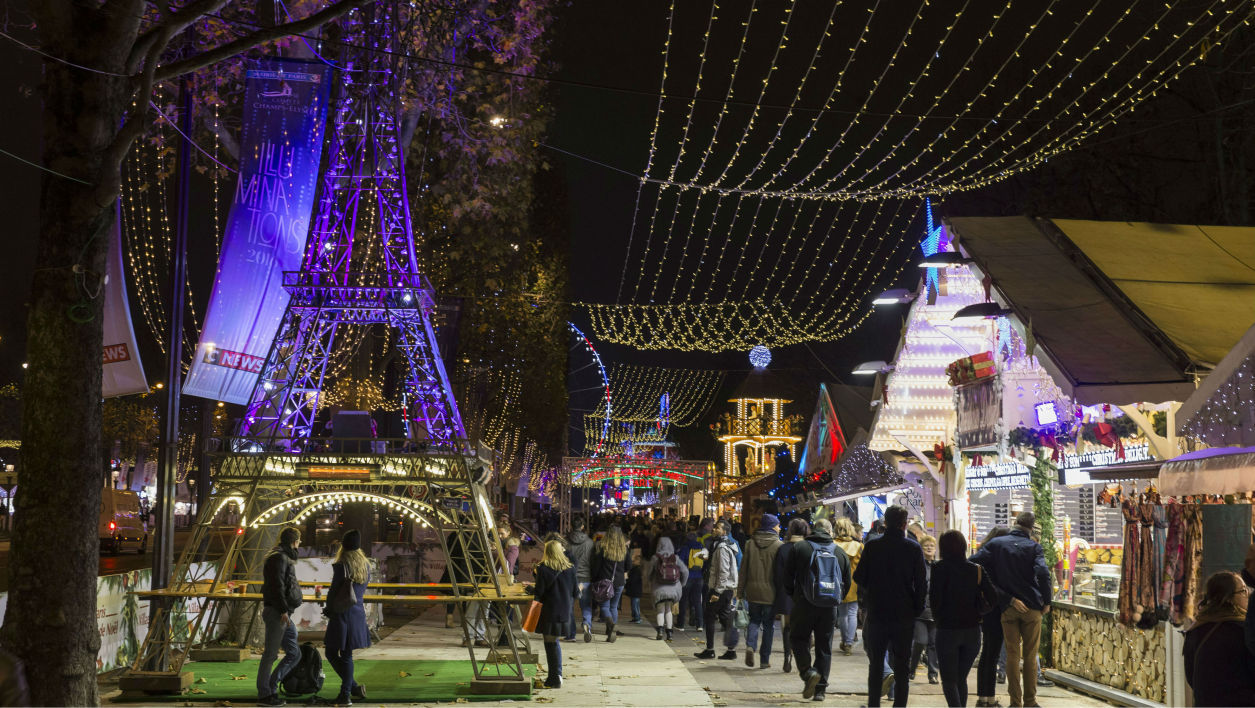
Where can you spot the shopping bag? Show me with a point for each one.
(742, 619)
(532, 619)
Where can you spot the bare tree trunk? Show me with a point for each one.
(50, 622)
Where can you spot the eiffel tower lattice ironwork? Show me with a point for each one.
(360, 269)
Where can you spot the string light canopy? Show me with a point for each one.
(779, 187)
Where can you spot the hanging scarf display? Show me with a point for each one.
(1185, 597)
(1129, 568)
(1173, 560)
(1160, 530)
(1144, 614)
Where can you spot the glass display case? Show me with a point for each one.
(1096, 586)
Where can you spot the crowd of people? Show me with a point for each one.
(822, 582)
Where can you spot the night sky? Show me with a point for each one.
(608, 57)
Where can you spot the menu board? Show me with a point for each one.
(1093, 522)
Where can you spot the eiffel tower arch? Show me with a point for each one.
(360, 274)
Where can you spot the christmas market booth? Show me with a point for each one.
(1094, 346)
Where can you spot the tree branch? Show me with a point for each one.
(159, 34)
(261, 36)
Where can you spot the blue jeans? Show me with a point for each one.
(342, 661)
(762, 615)
(279, 634)
(847, 621)
(609, 608)
(636, 609)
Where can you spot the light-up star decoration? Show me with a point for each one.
(760, 356)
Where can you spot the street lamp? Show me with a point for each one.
(869, 368)
(944, 259)
(896, 296)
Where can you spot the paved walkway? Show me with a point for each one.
(637, 670)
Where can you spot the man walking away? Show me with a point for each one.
(691, 601)
(758, 588)
(891, 576)
(1017, 565)
(281, 595)
(817, 576)
(580, 548)
(721, 583)
(847, 611)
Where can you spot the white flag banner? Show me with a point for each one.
(123, 372)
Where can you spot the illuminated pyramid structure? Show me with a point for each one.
(360, 270)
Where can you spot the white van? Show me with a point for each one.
(121, 524)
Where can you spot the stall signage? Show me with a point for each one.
(1076, 468)
(1003, 475)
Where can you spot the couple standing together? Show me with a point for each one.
(345, 612)
(1001, 592)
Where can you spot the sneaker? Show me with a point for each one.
(638, 620)
(728, 655)
(765, 665)
(272, 700)
(343, 700)
(1002, 677)
(811, 677)
(450, 622)
(1045, 682)
(705, 654)
(788, 662)
(934, 679)
(886, 684)
(358, 692)
(588, 633)
(847, 649)
(749, 658)
(819, 696)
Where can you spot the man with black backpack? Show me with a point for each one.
(816, 577)
(891, 576)
(281, 595)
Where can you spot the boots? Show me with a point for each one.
(668, 634)
(917, 651)
(610, 635)
(553, 657)
(659, 637)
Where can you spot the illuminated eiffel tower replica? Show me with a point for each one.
(279, 471)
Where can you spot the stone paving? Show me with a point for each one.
(637, 670)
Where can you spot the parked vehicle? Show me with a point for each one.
(121, 522)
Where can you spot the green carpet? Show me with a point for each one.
(385, 681)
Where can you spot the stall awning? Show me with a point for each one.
(1125, 312)
(1216, 470)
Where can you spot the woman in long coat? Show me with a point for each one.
(666, 594)
(347, 630)
(557, 591)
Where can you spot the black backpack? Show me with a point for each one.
(306, 676)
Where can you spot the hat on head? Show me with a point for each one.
(769, 521)
(352, 540)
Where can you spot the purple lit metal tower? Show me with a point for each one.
(360, 265)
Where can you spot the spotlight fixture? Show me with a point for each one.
(897, 296)
(869, 368)
(981, 311)
(944, 259)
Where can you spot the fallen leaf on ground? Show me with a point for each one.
(195, 690)
(223, 704)
(403, 674)
(431, 674)
(543, 699)
(240, 677)
(202, 679)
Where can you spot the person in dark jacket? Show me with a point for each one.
(1017, 565)
(347, 630)
(991, 640)
(757, 586)
(955, 594)
(281, 595)
(580, 548)
(891, 577)
(1218, 666)
(694, 588)
(556, 590)
(799, 529)
(635, 588)
(925, 640)
(812, 621)
(608, 563)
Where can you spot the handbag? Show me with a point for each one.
(742, 619)
(532, 620)
(603, 590)
(983, 605)
(342, 600)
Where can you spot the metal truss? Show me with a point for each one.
(360, 268)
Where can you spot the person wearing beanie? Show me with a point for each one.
(757, 586)
(281, 595)
(346, 614)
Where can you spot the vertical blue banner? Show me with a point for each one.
(285, 111)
